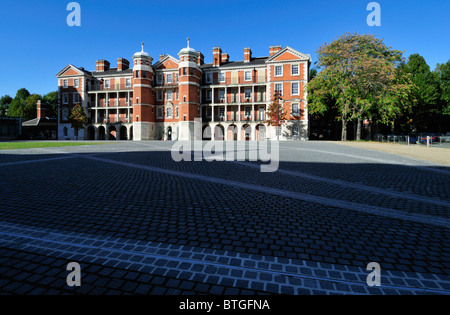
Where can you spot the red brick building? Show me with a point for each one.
(149, 100)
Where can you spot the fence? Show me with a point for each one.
(442, 141)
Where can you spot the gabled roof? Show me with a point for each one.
(43, 121)
(164, 60)
(292, 51)
(80, 71)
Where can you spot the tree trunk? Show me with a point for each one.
(344, 130)
(358, 130)
(369, 136)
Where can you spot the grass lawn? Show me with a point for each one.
(47, 144)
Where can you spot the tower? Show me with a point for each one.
(189, 90)
(143, 97)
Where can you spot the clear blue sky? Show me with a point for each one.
(36, 43)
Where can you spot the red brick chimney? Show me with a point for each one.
(122, 64)
(217, 59)
(224, 57)
(200, 59)
(102, 65)
(247, 54)
(273, 50)
(40, 110)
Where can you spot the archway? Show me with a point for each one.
(101, 133)
(112, 134)
(123, 133)
(91, 133)
(131, 133)
(246, 133)
(260, 132)
(219, 133)
(232, 132)
(206, 132)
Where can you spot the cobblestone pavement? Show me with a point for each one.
(138, 222)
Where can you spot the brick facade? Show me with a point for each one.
(146, 100)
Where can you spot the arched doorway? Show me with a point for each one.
(101, 133)
(219, 133)
(123, 133)
(112, 134)
(131, 133)
(232, 133)
(206, 132)
(169, 133)
(260, 132)
(246, 133)
(91, 133)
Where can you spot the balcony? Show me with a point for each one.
(235, 81)
(112, 87)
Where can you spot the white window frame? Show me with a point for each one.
(76, 98)
(107, 84)
(279, 67)
(128, 82)
(292, 70)
(76, 83)
(248, 94)
(65, 114)
(177, 112)
(221, 112)
(221, 95)
(221, 77)
(65, 83)
(170, 95)
(247, 112)
(159, 78)
(65, 98)
(279, 90)
(169, 78)
(169, 112)
(297, 111)
(292, 88)
(176, 77)
(249, 78)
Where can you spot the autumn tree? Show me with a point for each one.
(276, 116)
(77, 117)
(359, 76)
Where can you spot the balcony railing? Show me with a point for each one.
(231, 81)
(111, 87)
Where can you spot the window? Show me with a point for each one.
(159, 112)
(178, 95)
(160, 95)
(127, 99)
(248, 111)
(222, 112)
(221, 77)
(65, 131)
(169, 95)
(248, 76)
(184, 71)
(65, 114)
(169, 78)
(176, 111)
(65, 98)
(76, 83)
(128, 82)
(248, 94)
(169, 112)
(159, 78)
(209, 78)
(76, 98)
(279, 88)
(176, 77)
(137, 73)
(221, 95)
(278, 71)
(208, 112)
(107, 84)
(208, 95)
(294, 89)
(294, 70)
(191, 71)
(65, 83)
(144, 74)
(295, 109)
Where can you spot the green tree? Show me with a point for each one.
(77, 117)
(17, 106)
(5, 101)
(359, 75)
(443, 74)
(30, 107)
(50, 103)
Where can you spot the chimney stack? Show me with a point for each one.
(273, 50)
(217, 52)
(247, 54)
(102, 65)
(224, 57)
(122, 64)
(200, 59)
(40, 110)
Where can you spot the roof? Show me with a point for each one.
(43, 121)
(235, 64)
